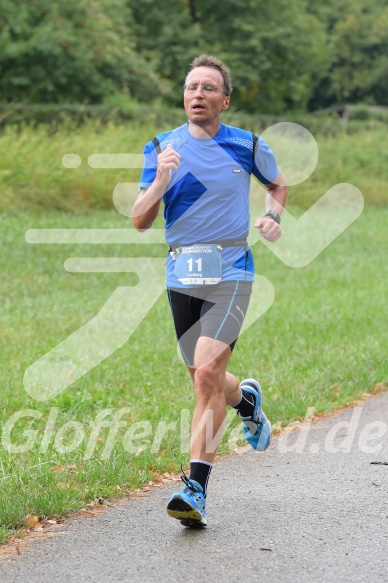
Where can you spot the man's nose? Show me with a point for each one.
(200, 90)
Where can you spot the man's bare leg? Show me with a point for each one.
(214, 389)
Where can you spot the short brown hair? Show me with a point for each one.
(210, 61)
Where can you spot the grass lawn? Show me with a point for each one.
(322, 343)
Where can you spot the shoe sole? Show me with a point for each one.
(193, 523)
(187, 514)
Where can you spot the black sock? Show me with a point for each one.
(200, 472)
(246, 405)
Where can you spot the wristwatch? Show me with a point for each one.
(274, 215)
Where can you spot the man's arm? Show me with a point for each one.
(275, 201)
(146, 207)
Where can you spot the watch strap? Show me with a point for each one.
(274, 215)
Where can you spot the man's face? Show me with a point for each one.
(204, 104)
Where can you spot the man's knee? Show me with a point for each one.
(210, 380)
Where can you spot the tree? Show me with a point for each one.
(284, 55)
(360, 65)
(357, 49)
(274, 49)
(70, 51)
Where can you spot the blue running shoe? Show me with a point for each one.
(189, 506)
(257, 429)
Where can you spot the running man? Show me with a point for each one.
(201, 170)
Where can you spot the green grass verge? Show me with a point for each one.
(322, 344)
(32, 176)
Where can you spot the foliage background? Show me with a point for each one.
(285, 55)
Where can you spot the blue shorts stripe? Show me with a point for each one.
(228, 312)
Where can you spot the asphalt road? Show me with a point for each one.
(317, 512)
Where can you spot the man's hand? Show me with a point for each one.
(269, 229)
(146, 207)
(168, 160)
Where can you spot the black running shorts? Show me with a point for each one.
(216, 311)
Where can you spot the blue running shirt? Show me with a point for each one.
(207, 199)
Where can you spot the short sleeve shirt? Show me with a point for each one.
(207, 198)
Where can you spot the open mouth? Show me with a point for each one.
(198, 107)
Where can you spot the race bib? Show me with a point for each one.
(198, 264)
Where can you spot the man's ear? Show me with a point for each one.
(226, 103)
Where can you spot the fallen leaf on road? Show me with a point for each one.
(85, 511)
(51, 522)
(104, 501)
(30, 520)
